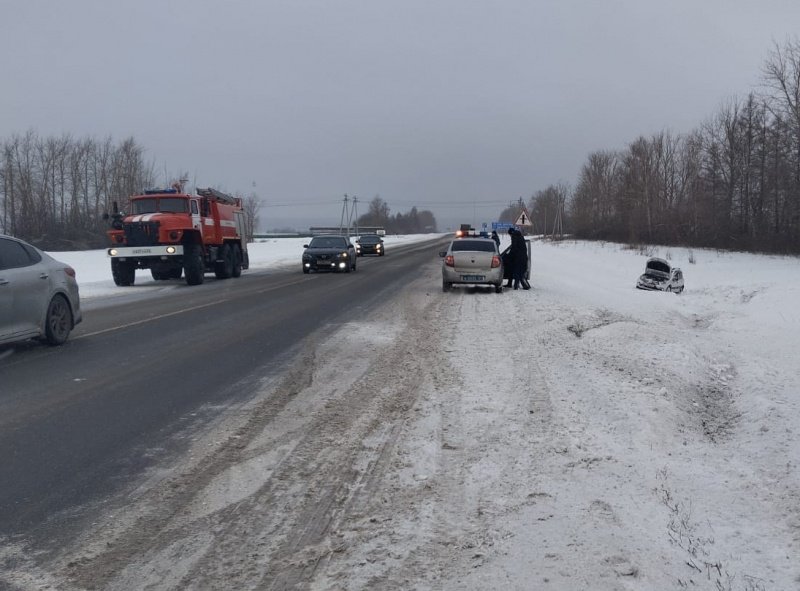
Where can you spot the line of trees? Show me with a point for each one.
(413, 222)
(732, 183)
(54, 190)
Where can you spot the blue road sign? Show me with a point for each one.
(502, 225)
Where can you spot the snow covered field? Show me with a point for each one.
(580, 436)
(662, 445)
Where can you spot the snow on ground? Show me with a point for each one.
(94, 269)
(587, 435)
(690, 400)
(582, 435)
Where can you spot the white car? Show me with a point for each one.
(659, 275)
(38, 294)
(474, 261)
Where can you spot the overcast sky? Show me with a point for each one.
(457, 106)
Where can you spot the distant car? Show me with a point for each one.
(38, 294)
(474, 261)
(329, 253)
(659, 275)
(370, 244)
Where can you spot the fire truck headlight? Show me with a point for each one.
(113, 252)
(170, 250)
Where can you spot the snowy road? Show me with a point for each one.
(584, 435)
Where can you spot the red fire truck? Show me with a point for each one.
(173, 233)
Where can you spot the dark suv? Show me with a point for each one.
(329, 253)
(370, 244)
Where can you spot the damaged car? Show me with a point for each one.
(659, 275)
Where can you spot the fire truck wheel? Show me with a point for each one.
(193, 265)
(237, 261)
(124, 273)
(223, 268)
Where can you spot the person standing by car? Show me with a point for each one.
(496, 238)
(508, 260)
(519, 259)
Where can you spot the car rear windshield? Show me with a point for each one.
(474, 245)
(327, 242)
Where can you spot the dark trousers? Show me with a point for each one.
(518, 274)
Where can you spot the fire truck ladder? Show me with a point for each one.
(217, 195)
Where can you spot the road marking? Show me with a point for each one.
(176, 312)
(145, 320)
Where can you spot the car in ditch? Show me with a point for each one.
(329, 253)
(659, 275)
(370, 244)
(38, 294)
(472, 261)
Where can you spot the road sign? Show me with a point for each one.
(523, 219)
(501, 225)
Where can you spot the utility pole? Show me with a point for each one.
(344, 215)
(558, 227)
(355, 215)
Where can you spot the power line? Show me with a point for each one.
(404, 203)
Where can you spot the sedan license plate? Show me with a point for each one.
(473, 277)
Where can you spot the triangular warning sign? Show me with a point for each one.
(523, 219)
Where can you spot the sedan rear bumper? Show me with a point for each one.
(473, 276)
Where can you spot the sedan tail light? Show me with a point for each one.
(69, 271)
(449, 261)
(495, 261)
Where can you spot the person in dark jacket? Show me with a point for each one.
(519, 260)
(496, 238)
(508, 260)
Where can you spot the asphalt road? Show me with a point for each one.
(75, 421)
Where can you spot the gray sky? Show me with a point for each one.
(457, 106)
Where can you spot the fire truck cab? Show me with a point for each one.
(174, 233)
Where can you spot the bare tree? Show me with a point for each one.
(594, 202)
(781, 74)
(377, 214)
(251, 205)
(54, 189)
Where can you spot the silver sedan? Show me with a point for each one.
(474, 261)
(38, 294)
